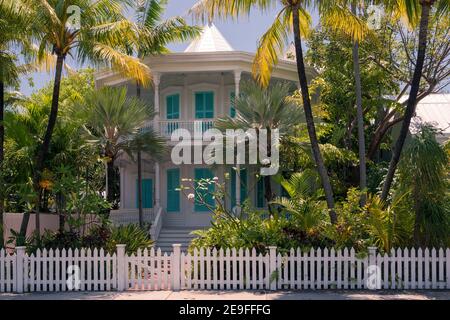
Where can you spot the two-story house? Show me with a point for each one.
(190, 89)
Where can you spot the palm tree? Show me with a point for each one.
(292, 17)
(154, 33)
(258, 108)
(359, 117)
(111, 119)
(13, 28)
(86, 30)
(412, 9)
(149, 142)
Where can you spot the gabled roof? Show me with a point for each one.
(211, 40)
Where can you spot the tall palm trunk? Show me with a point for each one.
(2, 139)
(268, 194)
(309, 117)
(412, 100)
(43, 150)
(139, 187)
(360, 119)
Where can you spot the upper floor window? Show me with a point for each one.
(204, 105)
(173, 106)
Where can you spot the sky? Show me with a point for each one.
(242, 35)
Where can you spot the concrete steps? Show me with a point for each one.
(169, 236)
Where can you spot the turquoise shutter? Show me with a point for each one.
(260, 200)
(173, 195)
(204, 105)
(147, 194)
(232, 102)
(173, 106)
(203, 173)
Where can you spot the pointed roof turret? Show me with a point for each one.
(210, 40)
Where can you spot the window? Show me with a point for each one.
(232, 102)
(173, 195)
(204, 105)
(173, 106)
(206, 196)
(243, 189)
(147, 194)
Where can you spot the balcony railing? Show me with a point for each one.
(167, 127)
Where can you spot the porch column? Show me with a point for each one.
(157, 186)
(156, 81)
(237, 81)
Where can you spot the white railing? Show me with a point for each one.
(157, 223)
(230, 269)
(166, 127)
(130, 216)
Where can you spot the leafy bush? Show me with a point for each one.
(131, 235)
(98, 237)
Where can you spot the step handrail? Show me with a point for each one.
(157, 224)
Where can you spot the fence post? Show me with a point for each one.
(122, 272)
(273, 267)
(373, 275)
(20, 256)
(176, 264)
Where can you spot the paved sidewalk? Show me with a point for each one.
(234, 295)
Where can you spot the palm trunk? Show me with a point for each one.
(309, 118)
(139, 187)
(360, 119)
(138, 90)
(43, 150)
(2, 139)
(412, 100)
(110, 181)
(267, 179)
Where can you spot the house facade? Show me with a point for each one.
(190, 90)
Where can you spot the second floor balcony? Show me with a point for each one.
(167, 127)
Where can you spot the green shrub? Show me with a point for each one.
(131, 235)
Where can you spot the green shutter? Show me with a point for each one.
(203, 173)
(260, 200)
(204, 105)
(147, 194)
(232, 102)
(173, 106)
(173, 195)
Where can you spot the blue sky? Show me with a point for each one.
(242, 35)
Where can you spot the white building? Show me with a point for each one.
(192, 87)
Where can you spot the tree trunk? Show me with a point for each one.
(411, 106)
(309, 117)
(360, 120)
(110, 178)
(138, 90)
(43, 150)
(139, 187)
(2, 139)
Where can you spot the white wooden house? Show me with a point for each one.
(197, 85)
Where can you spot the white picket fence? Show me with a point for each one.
(230, 269)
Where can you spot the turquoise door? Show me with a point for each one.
(172, 112)
(203, 173)
(204, 105)
(243, 188)
(147, 193)
(173, 195)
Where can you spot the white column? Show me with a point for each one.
(156, 81)
(157, 186)
(237, 81)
